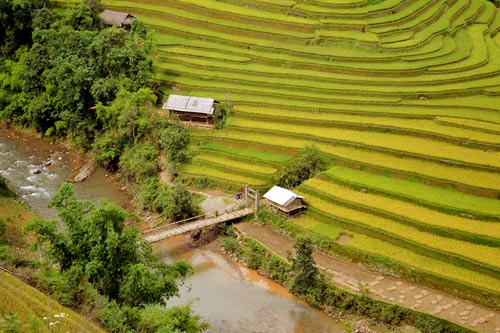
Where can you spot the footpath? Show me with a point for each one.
(350, 275)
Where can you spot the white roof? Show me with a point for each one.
(189, 104)
(281, 195)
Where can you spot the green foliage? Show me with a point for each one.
(230, 244)
(9, 323)
(16, 24)
(306, 281)
(5, 191)
(139, 162)
(306, 166)
(173, 202)
(156, 318)
(73, 66)
(174, 140)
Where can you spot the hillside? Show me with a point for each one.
(401, 95)
(27, 302)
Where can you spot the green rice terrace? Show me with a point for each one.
(401, 96)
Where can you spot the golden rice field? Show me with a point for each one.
(25, 301)
(408, 90)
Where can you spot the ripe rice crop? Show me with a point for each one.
(423, 126)
(404, 209)
(234, 164)
(423, 263)
(24, 300)
(394, 142)
(417, 192)
(479, 253)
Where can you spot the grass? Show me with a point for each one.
(24, 300)
(471, 123)
(417, 192)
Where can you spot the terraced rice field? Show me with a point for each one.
(403, 96)
(27, 302)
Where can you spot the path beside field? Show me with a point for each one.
(349, 275)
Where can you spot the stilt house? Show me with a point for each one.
(285, 202)
(191, 109)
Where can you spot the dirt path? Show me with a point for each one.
(349, 275)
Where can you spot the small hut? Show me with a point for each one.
(285, 202)
(118, 19)
(191, 109)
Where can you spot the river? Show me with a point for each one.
(232, 297)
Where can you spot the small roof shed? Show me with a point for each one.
(119, 19)
(191, 108)
(285, 202)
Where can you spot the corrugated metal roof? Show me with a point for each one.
(281, 195)
(189, 104)
(110, 17)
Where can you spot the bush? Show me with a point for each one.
(230, 244)
(5, 191)
(139, 162)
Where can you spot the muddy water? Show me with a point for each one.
(236, 299)
(231, 297)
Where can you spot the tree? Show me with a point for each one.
(307, 281)
(139, 162)
(306, 166)
(174, 140)
(96, 246)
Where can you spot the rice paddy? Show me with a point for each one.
(407, 92)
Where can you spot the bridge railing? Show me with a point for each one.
(206, 217)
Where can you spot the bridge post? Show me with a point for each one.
(250, 193)
(256, 200)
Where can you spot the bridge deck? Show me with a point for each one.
(157, 234)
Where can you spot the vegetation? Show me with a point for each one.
(107, 267)
(5, 191)
(306, 166)
(305, 280)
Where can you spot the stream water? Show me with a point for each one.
(231, 297)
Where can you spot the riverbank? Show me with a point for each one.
(244, 300)
(351, 276)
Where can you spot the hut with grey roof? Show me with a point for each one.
(285, 202)
(191, 109)
(118, 19)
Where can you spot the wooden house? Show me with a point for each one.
(191, 109)
(285, 202)
(118, 19)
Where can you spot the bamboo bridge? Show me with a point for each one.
(191, 224)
